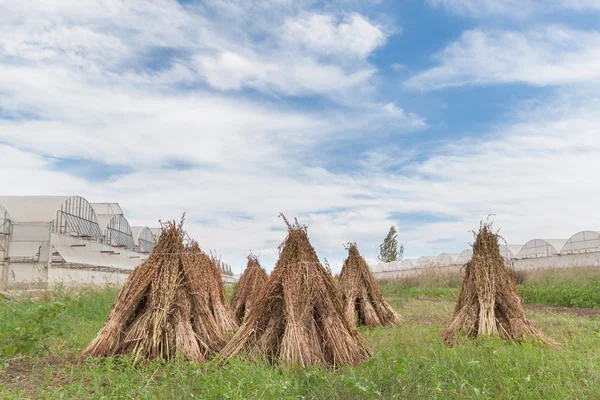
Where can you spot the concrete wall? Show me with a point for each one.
(559, 261)
(84, 277)
(403, 273)
(592, 259)
(26, 274)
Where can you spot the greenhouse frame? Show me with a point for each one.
(46, 240)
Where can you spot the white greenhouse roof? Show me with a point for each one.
(541, 248)
(103, 221)
(116, 230)
(514, 248)
(446, 259)
(506, 252)
(107, 208)
(425, 260)
(156, 232)
(32, 208)
(407, 263)
(136, 231)
(465, 256)
(582, 242)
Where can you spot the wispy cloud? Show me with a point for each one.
(77, 88)
(548, 55)
(232, 110)
(352, 36)
(513, 9)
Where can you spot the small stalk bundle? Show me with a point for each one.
(362, 299)
(213, 288)
(162, 310)
(488, 303)
(248, 288)
(299, 319)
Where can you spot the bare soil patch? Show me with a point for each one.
(580, 312)
(29, 374)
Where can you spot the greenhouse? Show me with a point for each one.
(506, 252)
(407, 263)
(47, 240)
(464, 257)
(582, 242)
(426, 260)
(446, 259)
(541, 248)
(143, 237)
(116, 231)
(33, 219)
(114, 225)
(50, 239)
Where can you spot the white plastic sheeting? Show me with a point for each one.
(23, 250)
(541, 248)
(426, 260)
(156, 232)
(582, 242)
(445, 259)
(143, 237)
(506, 252)
(81, 256)
(107, 208)
(464, 257)
(116, 230)
(408, 263)
(32, 208)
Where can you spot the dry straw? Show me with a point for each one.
(248, 288)
(362, 299)
(213, 288)
(488, 303)
(298, 319)
(162, 311)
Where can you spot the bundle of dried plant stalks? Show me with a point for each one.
(488, 303)
(362, 299)
(163, 309)
(213, 289)
(248, 288)
(298, 319)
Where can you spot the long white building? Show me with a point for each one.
(49, 240)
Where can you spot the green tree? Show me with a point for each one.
(389, 250)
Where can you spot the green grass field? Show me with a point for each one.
(574, 287)
(40, 344)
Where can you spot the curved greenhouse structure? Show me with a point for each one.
(407, 263)
(506, 252)
(582, 242)
(541, 248)
(66, 215)
(446, 259)
(143, 237)
(117, 231)
(115, 227)
(464, 257)
(426, 260)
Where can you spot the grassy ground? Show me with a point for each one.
(41, 341)
(573, 287)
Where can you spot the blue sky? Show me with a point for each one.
(350, 115)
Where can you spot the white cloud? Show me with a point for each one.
(353, 36)
(248, 158)
(290, 76)
(538, 174)
(551, 55)
(74, 86)
(114, 36)
(514, 9)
